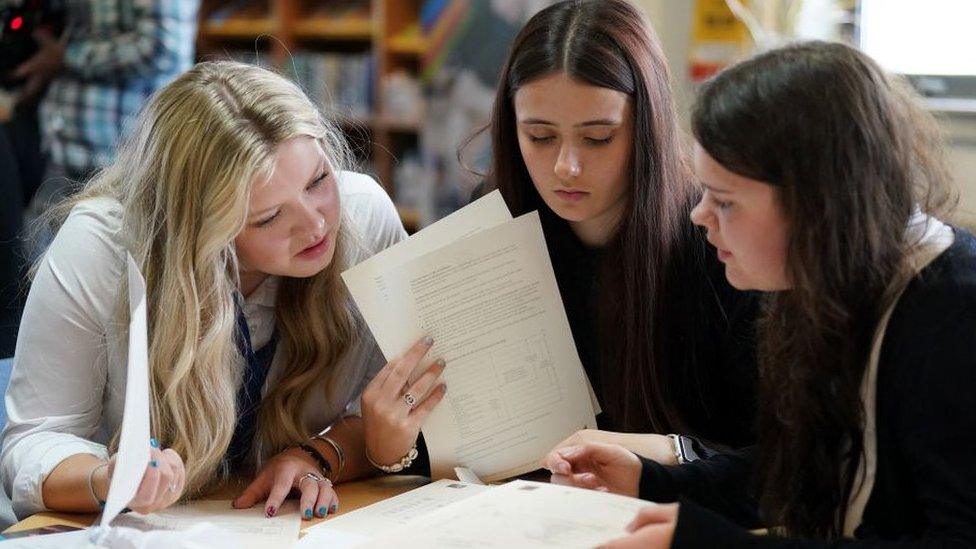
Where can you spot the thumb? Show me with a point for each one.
(593, 452)
(654, 514)
(254, 493)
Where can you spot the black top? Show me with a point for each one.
(711, 334)
(925, 485)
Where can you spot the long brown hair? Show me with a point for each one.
(853, 157)
(609, 43)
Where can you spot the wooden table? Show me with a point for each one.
(352, 496)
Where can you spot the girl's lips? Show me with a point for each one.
(316, 249)
(724, 255)
(572, 195)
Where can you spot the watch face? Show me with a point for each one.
(687, 448)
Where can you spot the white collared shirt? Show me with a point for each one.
(67, 389)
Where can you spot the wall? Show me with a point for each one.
(672, 21)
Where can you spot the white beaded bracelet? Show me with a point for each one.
(404, 462)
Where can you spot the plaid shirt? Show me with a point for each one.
(118, 53)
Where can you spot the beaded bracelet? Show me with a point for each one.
(404, 462)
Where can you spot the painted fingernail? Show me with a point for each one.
(323, 511)
(428, 341)
(308, 513)
(270, 512)
(334, 508)
(154, 443)
(154, 463)
(440, 362)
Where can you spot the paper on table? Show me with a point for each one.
(379, 517)
(516, 386)
(64, 540)
(519, 514)
(252, 528)
(367, 281)
(133, 453)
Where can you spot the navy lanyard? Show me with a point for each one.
(249, 396)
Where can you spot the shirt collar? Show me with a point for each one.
(266, 294)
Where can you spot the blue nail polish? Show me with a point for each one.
(323, 511)
(154, 443)
(334, 508)
(154, 463)
(308, 513)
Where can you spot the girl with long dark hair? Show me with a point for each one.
(584, 130)
(823, 181)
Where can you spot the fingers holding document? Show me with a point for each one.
(595, 466)
(163, 482)
(653, 527)
(394, 408)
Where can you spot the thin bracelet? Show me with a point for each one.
(404, 462)
(91, 488)
(338, 450)
(323, 463)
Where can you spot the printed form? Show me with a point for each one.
(519, 514)
(515, 384)
(351, 529)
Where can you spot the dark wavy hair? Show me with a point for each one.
(609, 43)
(853, 158)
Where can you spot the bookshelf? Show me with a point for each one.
(326, 44)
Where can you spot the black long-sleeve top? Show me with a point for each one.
(711, 335)
(925, 484)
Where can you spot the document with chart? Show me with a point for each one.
(515, 383)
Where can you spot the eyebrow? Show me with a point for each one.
(598, 122)
(713, 189)
(321, 169)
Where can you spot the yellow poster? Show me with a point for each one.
(718, 38)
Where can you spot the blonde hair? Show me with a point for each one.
(183, 179)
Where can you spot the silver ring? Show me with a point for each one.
(326, 481)
(309, 476)
(172, 487)
(410, 400)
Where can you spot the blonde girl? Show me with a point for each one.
(231, 196)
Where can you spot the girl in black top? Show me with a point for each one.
(822, 178)
(584, 130)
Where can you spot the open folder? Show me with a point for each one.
(481, 285)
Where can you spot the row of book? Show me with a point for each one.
(342, 84)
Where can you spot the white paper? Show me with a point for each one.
(133, 453)
(519, 514)
(515, 384)
(330, 539)
(253, 529)
(351, 528)
(368, 281)
(467, 475)
(64, 540)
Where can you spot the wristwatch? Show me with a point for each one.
(686, 449)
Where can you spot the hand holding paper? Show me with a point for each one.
(142, 475)
(393, 420)
(515, 384)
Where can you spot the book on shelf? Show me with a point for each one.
(340, 83)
